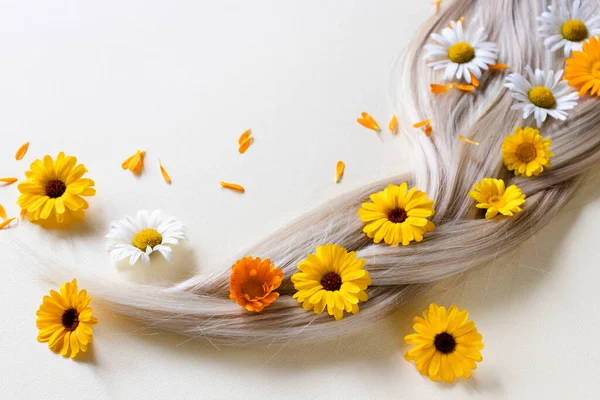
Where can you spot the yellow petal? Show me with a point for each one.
(233, 186)
(8, 181)
(164, 173)
(421, 123)
(393, 125)
(435, 88)
(339, 171)
(368, 122)
(22, 151)
(2, 212)
(466, 140)
(494, 67)
(245, 144)
(6, 223)
(464, 88)
(474, 80)
(245, 135)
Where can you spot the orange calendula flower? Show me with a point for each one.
(232, 186)
(22, 151)
(464, 88)
(467, 140)
(8, 181)
(252, 283)
(368, 122)
(135, 163)
(495, 67)
(164, 173)
(7, 222)
(583, 68)
(393, 125)
(435, 88)
(339, 171)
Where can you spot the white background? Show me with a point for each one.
(182, 79)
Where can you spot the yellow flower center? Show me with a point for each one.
(444, 343)
(70, 319)
(254, 289)
(542, 97)
(147, 237)
(55, 188)
(331, 281)
(574, 30)
(497, 201)
(596, 69)
(461, 53)
(526, 152)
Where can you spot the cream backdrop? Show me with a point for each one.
(182, 79)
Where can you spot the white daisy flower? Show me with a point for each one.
(460, 52)
(543, 93)
(568, 24)
(136, 238)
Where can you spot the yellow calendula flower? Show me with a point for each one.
(53, 190)
(447, 345)
(526, 152)
(492, 195)
(65, 320)
(397, 215)
(332, 278)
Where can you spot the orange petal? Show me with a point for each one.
(6, 223)
(245, 135)
(474, 80)
(22, 151)
(135, 163)
(245, 144)
(339, 171)
(435, 88)
(8, 181)
(368, 122)
(393, 125)
(232, 186)
(464, 88)
(23, 212)
(427, 130)
(494, 67)
(461, 19)
(464, 139)
(164, 173)
(2, 212)
(422, 123)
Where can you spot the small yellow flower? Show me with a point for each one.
(583, 68)
(492, 195)
(332, 278)
(526, 152)
(53, 190)
(447, 345)
(396, 215)
(65, 320)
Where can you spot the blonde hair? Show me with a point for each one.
(444, 167)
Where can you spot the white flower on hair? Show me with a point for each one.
(568, 24)
(461, 53)
(543, 93)
(137, 238)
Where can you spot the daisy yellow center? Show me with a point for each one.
(526, 152)
(461, 53)
(55, 188)
(253, 288)
(70, 319)
(147, 237)
(444, 343)
(542, 97)
(596, 70)
(331, 281)
(397, 215)
(496, 201)
(574, 30)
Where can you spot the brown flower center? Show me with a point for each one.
(55, 188)
(70, 319)
(397, 215)
(526, 152)
(331, 281)
(253, 288)
(444, 343)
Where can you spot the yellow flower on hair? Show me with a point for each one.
(492, 195)
(526, 152)
(332, 278)
(65, 320)
(583, 68)
(53, 190)
(397, 215)
(447, 345)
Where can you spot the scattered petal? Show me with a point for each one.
(232, 186)
(422, 123)
(464, 88)
(427, 130)
(245, 144)
(8, 181)
(135, 163)
(466, 140)
(393, 125)
(339, 171)
(245, 135)
(2, 212)
(435, 88)
(22, 151)
(494, 67)
(461, 20)
(474, 80)
(6, 223)
(368, 122)
(164, 173)
(23, 213)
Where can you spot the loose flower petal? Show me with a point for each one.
(23, 213)
(6, 223)
(245, 135)
(245, 144)
(464, 88)
(339, 171)
(474, 80)
(164, 173)
(232, 186)
(435, 88)
(427, 130)
(135, 163)
(393, 125)
(22, 151)
(495, 67)
(461, 19)
(368, 122)
(466, 140)
(8, 181)
(2, 212)
(422, 123)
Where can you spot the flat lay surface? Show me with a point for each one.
(182, 80)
